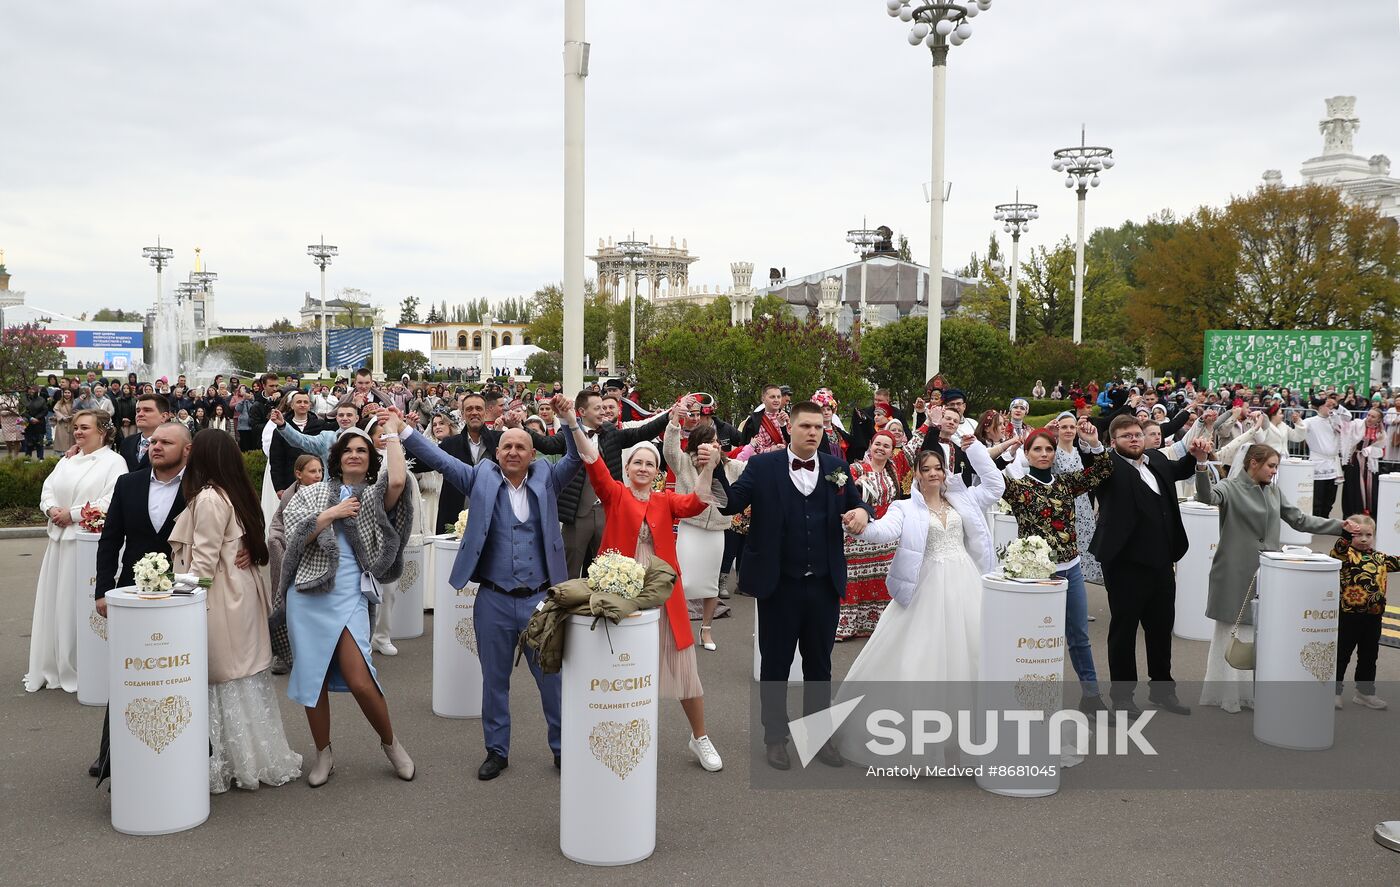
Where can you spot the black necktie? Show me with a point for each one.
(799, 465)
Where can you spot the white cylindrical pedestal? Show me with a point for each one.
(1021, 668)
(794, 673)
(456, 668)
(92, 626)
(1004, 531)
(406, 616)
(1388, 514)
(159, 665)
(1295, 651)
(608, 739)
(1202, 524)
(1295, 483)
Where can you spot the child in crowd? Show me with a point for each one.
(1363, 576)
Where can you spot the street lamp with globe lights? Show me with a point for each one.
(937, 26)
(635, 255)
(1081, 165)
(1016, 220)
(321, 254)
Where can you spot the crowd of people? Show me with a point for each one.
(876, 526)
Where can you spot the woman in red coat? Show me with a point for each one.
(638, 523)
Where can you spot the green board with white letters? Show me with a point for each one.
(1297, 359)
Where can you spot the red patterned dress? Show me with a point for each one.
(867, 563)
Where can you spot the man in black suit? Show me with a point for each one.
(794, 564)
(473, 445)
(863, 420)
(151, 411)
(1139, 539)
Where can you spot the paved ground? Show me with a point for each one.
(366, 827)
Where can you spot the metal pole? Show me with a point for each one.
(864, 319)
(935, 235)
(1015, 270)
(575, 70)
(1079, 272)
(323, 322)
(632, 321)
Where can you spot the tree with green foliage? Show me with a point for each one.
(1276, 259)
(25, 352)
(905, 254)
(412, 362)
(281, 325)
(408, 310)
(545, 366)
(546, 327)
(117, 315)
(974, 357)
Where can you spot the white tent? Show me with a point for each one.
(510, 359)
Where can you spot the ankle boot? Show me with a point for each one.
(403, 764)
(322, 769)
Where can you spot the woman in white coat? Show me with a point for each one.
(82, 479)
(930, 630)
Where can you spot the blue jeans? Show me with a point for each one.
(499, 619)
(1081, 655)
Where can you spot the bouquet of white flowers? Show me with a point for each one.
(460, 528)
(1028, 558)
(614, 573)
(154, 575)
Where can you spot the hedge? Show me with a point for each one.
(22, 480)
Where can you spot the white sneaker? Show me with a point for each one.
(1371, 701)
(704, 749)
(1338, 703)
(385, 647)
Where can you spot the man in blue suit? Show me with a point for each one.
(513, 549)
(794, 564)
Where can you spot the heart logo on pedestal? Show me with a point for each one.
(1320, 658)
(466, 633)
(410, 576)
(98, 623)
(158, 722)
(1304, 503)
(619, 746)
(1039, 692)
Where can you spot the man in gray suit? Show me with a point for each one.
(513, 549)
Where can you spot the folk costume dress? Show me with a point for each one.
(638, 530)
(247, 740)
(53, 635)
(867, 562)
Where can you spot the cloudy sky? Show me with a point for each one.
(425, 138)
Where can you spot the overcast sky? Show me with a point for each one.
(425, 139)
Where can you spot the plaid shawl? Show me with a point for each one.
(377, 537)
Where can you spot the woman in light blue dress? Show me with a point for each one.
(345, 536)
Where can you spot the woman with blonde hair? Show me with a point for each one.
(86, 478)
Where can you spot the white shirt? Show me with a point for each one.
(519, 499)
(1140, 463)
(478, 448)
(1324, 439)
(161, 498)
(804, 480)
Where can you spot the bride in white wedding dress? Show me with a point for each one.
(930, 630)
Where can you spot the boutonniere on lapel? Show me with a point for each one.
(838, 479)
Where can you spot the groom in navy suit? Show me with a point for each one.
(795, 565)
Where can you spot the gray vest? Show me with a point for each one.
(513, 555)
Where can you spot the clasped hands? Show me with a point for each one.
(855, 521)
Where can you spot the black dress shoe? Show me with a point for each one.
(95, 768)
(1091, 705)
(1126, 708)
(556, 763)
(1169, 703)
(778, 756)
(492, 766)
(829, 756)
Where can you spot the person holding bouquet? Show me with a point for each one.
(637, 524)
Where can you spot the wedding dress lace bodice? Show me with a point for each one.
(944, 543)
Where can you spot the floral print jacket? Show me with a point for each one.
(1047, 510)
(1363, 577)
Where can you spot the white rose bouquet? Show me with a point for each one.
(1028, 558)
(460, 528)
(614, 573)
(155, 576)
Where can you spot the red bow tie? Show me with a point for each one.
(799, 465)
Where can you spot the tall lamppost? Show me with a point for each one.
(575, 70)
(864, 240)
(635, 254)
(321, 254)
(1016, 219)
(203, 279)
(937, 26)
(1081, 165)
(159, 256)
